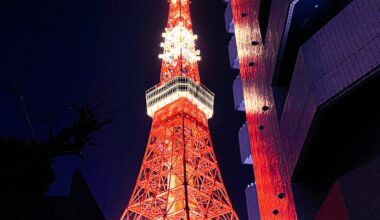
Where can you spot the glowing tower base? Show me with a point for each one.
(179, 178)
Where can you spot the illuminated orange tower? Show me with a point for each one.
(179, 178)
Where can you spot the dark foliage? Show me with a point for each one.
(26, 166)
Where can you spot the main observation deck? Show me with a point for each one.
(181, 86)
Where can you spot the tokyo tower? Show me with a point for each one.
(179, 178)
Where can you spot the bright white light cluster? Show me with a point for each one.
(179, 41)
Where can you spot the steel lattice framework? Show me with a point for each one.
(179, 178)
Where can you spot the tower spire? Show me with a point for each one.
(179, 57)
(179, 178)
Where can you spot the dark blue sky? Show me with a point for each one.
(104, 53)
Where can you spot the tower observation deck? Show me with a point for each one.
(179, 178)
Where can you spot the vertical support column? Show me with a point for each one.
(271, 174)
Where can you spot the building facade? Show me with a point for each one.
(308, 82)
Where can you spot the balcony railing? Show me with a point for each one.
(159, 96)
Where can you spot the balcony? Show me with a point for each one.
(228, 18)
(238, 94)
(245, 149)
(252, 202)
(232, 53)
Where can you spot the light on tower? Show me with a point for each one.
(179, 177)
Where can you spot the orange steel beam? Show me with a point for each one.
(179, 177)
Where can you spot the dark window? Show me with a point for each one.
(264, 17)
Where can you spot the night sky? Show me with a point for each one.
(104, 53)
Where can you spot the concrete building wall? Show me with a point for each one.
(257, 63)
(343, 53)
(335, 58)
(361, 191)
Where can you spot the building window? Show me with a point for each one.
(264, 17)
